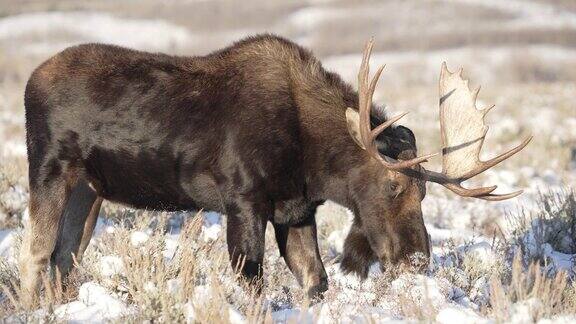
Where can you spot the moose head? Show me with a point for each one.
(390, 227)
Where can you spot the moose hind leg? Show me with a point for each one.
(298, 245)
(47, 201)
(246, 227)
(89, 227)
(72, 225)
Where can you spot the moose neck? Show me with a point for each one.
(332, 159)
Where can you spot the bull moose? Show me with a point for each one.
(258, 131)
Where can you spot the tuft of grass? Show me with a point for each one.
(552, 224)
(195, 282)
(54, 292)
(530, 291)
(13, 195)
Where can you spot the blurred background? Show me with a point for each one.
(522, 52)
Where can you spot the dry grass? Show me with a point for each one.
(532, 291)
(196, 281)
(54, 292)
(13, 194)
(553, 224)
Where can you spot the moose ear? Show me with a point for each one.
(353, 122)
(406, 135)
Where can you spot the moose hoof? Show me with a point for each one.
(316, 293)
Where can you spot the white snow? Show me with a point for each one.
(212, 226)
(35, 31)
(233, 315)
(306, 19)
(174, 285)
(6, 241)
(560, 261)
(336, 239)
(565, 319)
(15, 198)
(138, 238)
(522, 311)
(422, 289)
(482, 251)
(444, 298)
(457, 314)
(171, 246)
(111, 265)
(94, 305)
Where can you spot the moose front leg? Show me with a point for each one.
(246, 227)
(298, 244)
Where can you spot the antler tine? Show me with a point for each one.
(366, 90)
(364, 99)
(380, 128)
(461, 191)
(495, 197)
(485, 165)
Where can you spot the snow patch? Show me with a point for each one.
(211, 227)
(481, 251)
(422, 289)
(138, 238)
(111, 265)
(38, 32)
(457, 314)
(94, 305)
(7, 239)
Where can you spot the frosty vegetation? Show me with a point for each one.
(174, 267)
(513, 261)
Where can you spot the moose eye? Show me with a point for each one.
(394, 187)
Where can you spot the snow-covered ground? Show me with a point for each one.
(139, 268)
(29, 30)
(456, 286)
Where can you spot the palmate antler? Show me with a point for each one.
(463, 131)
(462, 128)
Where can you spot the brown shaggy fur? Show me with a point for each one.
(256, 131)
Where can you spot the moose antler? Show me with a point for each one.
(367, 135)
(463, 131)
(461, 125)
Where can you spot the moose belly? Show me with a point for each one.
(148, 179)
